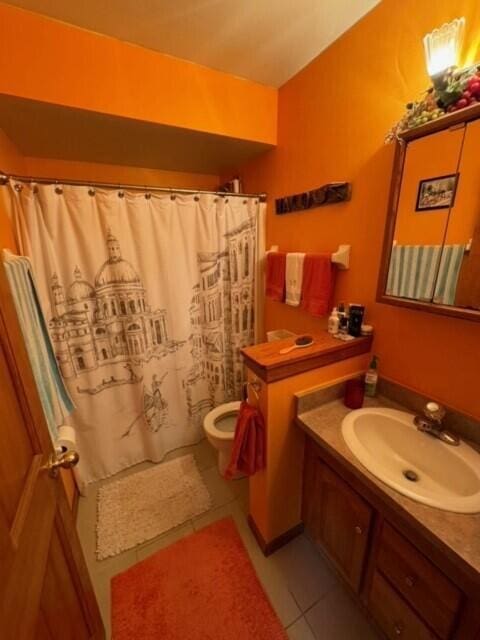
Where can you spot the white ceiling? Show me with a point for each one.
(263, 40)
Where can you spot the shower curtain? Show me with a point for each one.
(149, 298)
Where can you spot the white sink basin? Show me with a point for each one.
(388, 444)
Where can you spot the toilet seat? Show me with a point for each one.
(217, 413)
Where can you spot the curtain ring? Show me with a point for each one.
(121, 194)
(196, 198)
(245, 201)
(18, 187)
(148, 196)
(215, 200)
(226, 200)
(173, 196)
(59, 190)
(91, 191)
(35, 189)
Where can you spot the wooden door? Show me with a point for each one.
(45, 589)
(337, 517)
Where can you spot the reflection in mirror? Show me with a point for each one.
(458, 282)
(427, 192)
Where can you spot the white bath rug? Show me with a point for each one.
(144, 505)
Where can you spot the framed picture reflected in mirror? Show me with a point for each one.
(437, 193)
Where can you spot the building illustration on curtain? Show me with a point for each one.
(221, 316)
(110, 321)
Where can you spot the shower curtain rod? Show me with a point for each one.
(6, 177)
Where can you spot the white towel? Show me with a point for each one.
(294, 278)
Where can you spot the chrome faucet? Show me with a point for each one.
(431, 422)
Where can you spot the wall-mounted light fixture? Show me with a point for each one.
(442, 47)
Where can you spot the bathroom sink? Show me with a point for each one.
(417, 465)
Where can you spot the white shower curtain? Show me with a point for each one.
(149, 298)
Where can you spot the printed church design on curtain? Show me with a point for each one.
(97, 325)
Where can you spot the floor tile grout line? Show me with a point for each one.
(310, 627)
(294, 622)
(322, 597)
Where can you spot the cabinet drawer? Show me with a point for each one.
(393, 614)
(425, 588)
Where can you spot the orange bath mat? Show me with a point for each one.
(203, 587)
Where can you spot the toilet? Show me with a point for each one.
(219, 426)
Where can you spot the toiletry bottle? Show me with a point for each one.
(333, 322)
(355, 319)
(342, 319)
(371, 378)
(343, 325)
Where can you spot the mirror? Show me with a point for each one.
(431, 256)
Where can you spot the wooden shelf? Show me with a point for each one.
(266, 361)
(444, 122)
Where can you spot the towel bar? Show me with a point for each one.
(341, 257)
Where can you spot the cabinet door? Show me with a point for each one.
(337, 518)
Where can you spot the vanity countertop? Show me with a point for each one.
(456, 534)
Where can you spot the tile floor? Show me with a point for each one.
(308, 599)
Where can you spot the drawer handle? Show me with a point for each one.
(398, 628)
(358, 530)
(410, 581)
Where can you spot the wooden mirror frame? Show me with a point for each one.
(449, 121)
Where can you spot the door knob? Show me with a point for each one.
(65, 460)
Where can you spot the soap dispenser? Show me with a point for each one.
(371, 378)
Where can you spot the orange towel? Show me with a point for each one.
(248, 452)
(275, 276)
(318, 282)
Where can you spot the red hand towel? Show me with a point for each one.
(275, 276)
(248, 452)
(318, 282)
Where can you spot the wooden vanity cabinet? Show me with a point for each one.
(338, 519)
(404, 591)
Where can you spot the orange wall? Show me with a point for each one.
(54, 62)
(333, 117)
(47, 168)
(11, 161)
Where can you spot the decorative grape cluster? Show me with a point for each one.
(453, 91)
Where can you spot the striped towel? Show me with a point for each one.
(450, 263)
(56, 401)
(413, 270)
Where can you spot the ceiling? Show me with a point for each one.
(44, 130)
(268, 41)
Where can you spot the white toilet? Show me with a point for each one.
(219, 427)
